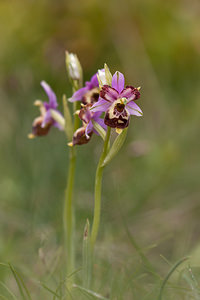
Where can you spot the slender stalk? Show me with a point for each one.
(68, 213)
(97, 193)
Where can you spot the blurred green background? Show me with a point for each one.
(153, 183)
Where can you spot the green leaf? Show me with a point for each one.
(99, 129)
(87, 263)
(116, 146)
(68, 119)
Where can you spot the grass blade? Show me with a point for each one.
(50, 290)
(23, 285)
(8, 290)
(89, 292)
(17, 281)
(62, 282)
(169, 274)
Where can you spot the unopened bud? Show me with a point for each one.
(73, 65)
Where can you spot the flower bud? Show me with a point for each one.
(74, 68)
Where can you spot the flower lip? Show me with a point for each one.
(117, 116)
(38, 129)
(120, 107)
(80, 138)
(91, 96)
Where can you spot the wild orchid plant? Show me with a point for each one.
(102, 104)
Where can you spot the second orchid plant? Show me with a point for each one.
(103, 104)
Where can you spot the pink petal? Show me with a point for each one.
(130, 93)
(108, 93)
(134, 109)
(100, 105)
(118, 81)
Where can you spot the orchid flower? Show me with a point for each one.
(117, 102)
(42, 124)
(88, 94)
(84, 133)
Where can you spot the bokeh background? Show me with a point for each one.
(151, 190)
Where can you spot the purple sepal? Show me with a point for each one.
(78, 95)
(118, 81)
(51, 95)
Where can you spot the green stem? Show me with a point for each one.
(97, 193)
(68, 213)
